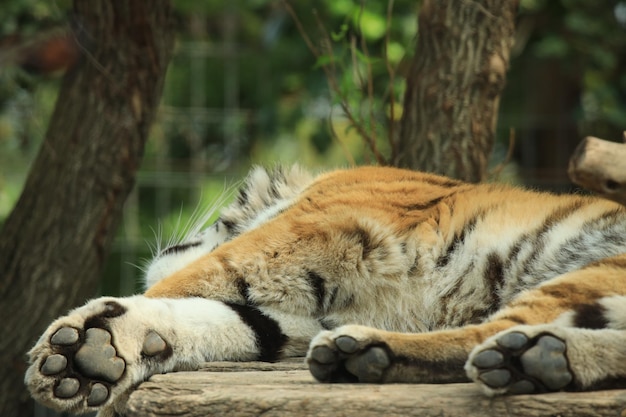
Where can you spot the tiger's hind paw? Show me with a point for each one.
(77, 365)
(513, 362)
(348, 354)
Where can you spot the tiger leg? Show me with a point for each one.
(92, 358)
(354, 353)
(357, 353)
(582, 350)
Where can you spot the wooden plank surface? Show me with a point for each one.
(287, 389)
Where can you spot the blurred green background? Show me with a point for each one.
(243, 88)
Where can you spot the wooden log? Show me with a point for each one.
(287, 388)
(253, 389)
(600, 166)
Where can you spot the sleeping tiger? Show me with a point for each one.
(376, 275)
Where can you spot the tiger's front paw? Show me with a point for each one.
(90, 358)
(349, 354)
(522, 360)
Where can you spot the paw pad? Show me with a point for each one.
(54, 364)
(153, 344)
(347, 344)
(65, 336)
(523, 365)
(98, 395)
(488, 359)
(513, 341)
(323, 355)
(496, 378)
(347, 359)
(97, 357)
(370, 365)
(546, 361)
(67, 388)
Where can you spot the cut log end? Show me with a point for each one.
(600, 166)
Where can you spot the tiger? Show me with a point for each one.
(373, 275)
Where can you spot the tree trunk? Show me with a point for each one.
(55, 241)
(454, 86)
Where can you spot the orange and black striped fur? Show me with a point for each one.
(381, 275)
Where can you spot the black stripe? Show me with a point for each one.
(517, 247)
(366, 241)
(567, 291)
(229, 225)
(318, 288)
(459, 239)
(444, 259)
(415, 267)
(180, 248)
(363, 237)
(242, 198)
(327, 324)
(269, 337)
(274, 190)
(444, 301)
(333, 297)
(576, 250)
(514, 318)
(277, 177)
(590, 316)
(345, 302)
(478, 315)
(101, 320)
(558, 215)
(441, 181)
(403, 248)
(244, 290)
(550, 221)
(494, 278)
(423, 206)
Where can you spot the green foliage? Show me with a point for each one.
(358, 55)
(552, 46)
(588, 40)
(26, 100)
(29, 16)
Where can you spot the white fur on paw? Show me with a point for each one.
(76, 366)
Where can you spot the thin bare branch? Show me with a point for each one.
(392, 97)
(334, 135)
(331, 78)
(301, 30)
(355, 62)
(497, 170)
(371, 136)
(357, 72)
(343, 100)
(370, 92)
